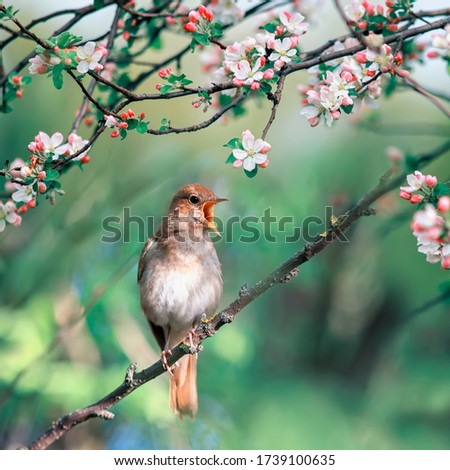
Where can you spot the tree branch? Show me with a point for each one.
(208, 328)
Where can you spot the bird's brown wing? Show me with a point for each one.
(158, 333)
(148, 244)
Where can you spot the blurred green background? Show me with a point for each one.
(349, 355)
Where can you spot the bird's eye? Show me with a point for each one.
(193, 199)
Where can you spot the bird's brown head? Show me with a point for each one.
(196, 202)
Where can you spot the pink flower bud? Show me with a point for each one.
(347, 76)
(194, 16)
(347, 101)
(42, 175)
(278, 65)
(42, 187)
(361, 57)
(255, 86)
(361, 24)
(415, 199)
(271, 43)
(444, 204)
(431, 181)
(262, 61)
(264, 164)
(190, 27)
(446, 263)
(268, 74)
(158, 86)
(17, 79)
(405, 194)
(294, 41)
(336, 114)
(380, 9)
(237, 163)
(279, 30)
(170, 21)
(207, 14)
(266, 148)
(238, 82)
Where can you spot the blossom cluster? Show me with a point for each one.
(253, 63)
(442, 43)
(249, 153)
(84, 58)
(127, 121)
(341, 84)
(365, 16)
(431, 223)
(27, 179)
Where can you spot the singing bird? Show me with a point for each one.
(180, 281)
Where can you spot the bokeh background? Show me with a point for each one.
(352, 354)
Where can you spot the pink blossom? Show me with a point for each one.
(37, 65)
(253, 152)
(431, 181)
(294, 23)
(89, 57)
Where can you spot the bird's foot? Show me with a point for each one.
(191, 334)
(165, 363)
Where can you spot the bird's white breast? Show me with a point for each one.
(180, 283)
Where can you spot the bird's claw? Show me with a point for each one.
(165, 363)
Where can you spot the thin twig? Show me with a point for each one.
(414, 85)
(276, 99)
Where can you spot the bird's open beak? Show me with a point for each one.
(208, 214)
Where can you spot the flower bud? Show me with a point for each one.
(431, 181)
(444, 203)
(237, 163)
(415, 199)
(446, 263)
(405, 194)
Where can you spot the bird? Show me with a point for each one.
(180, 282)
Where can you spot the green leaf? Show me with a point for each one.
(230, 159)
(234, 143)
(378, 19)
(57, 76)
(132, 124)
(165, 89)
(270, 27)
(201, 39)
(123, 134)
(347, 109)
(51, 175)
(98, 4)
(142, 128)
(441, 189)
(27, 80)
(252, 174)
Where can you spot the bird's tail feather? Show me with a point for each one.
(183, 387)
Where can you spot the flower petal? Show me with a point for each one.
(240, 154)
(249, 164)
(248, 140)
(83, 67)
